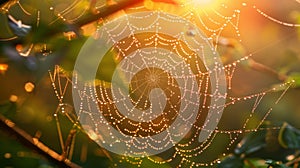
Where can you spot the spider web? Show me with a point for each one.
(188, 152)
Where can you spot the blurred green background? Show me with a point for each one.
(27, 97)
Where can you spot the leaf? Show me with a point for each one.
(231, 161)
(275, 164)
(255, 163)
(295, 78)
(289, 137)
(251, 143)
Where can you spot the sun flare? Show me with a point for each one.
(200, 4)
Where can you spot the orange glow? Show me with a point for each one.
(202, 3)
(70, 35)
(29, 87)
(13, 98)
(7, 155)
(3, 68)
(19, 47)
(181, 7)
(166, 1)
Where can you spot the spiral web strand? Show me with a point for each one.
(186, 152)
(183, 151)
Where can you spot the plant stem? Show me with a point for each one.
(38, 145)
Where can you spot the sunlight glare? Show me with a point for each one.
(203, 3)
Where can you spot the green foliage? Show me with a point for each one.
(289, 137)
(295, 77)
(8, 109)
(275, 164)
(232, 161)
(251, 143)
(144, 162)
(254, 149)
(16, 154)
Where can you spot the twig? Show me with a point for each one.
(41, 147)
(266, 69)
(67, 151)
(296, 160)
(106, 11)
(61, 26)
(254, 65)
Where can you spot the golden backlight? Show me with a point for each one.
(203, 3)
